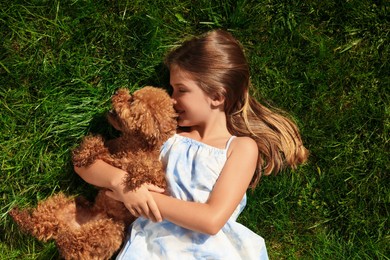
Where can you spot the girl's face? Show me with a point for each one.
(190, 102)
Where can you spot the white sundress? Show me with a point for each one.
(191, 171)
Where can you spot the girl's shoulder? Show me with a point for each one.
(243, 145)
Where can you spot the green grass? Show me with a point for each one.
(326, 62)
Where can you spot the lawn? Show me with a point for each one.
(325, 62)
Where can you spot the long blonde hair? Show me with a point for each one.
(216, 61)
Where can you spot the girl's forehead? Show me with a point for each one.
(177, 69)
(177, 75)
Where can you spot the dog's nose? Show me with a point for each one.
(112, 112)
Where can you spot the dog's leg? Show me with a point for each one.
(90, 149)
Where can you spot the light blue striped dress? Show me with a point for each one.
(192, 170)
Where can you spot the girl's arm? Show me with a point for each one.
(101, 174)
(139, 202)
(227, 193)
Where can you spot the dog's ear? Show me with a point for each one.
(144, 121)
(121, 96)
(121, 101)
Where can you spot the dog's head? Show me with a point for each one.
(147, 113)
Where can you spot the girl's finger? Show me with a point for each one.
(111, 194)
(154, 212)
(145, 210)
(132, 212)
(138, 212)
(154, 188)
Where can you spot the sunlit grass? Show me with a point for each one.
(325, 62)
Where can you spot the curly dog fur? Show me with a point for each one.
(85, 230)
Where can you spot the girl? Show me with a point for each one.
(224, 142)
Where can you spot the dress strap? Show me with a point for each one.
(229, 142)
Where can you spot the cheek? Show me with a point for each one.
(185, 103)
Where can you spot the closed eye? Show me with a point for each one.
(180, 88)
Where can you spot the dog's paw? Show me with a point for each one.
(90, 149)
(145, 171)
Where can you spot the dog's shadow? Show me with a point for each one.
(99, 125)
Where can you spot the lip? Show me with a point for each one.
(178, 111)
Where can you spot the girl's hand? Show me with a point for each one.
(139, 202)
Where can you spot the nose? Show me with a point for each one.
(174, 101)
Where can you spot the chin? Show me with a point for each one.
(181, 123)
